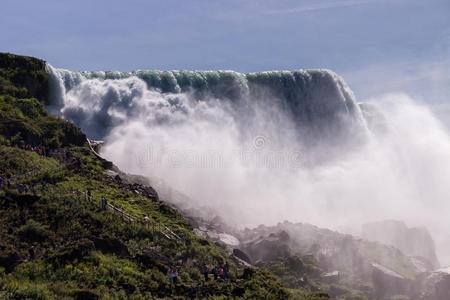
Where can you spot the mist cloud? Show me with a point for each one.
(249, 161)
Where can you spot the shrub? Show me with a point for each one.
(31, 269)
(26, 290)
(194, 274)
(33, 231)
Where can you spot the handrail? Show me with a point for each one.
(124, 214)
(166, 231)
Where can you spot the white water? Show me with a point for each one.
(256, 154)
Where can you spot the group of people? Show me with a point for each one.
(60, 154)
(219, 271)
(37, 149)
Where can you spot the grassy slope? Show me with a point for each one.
(65, 228)
(80, 250)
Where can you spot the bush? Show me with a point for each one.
(195, 274)
(26, 290)
(31, 270)
(31, 108)
(33, 231)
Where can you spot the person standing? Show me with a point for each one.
(205, 271)
(226, 270)
(221, 271)
(175, 275)
(103, 203)
(170, 275)
(215, 272)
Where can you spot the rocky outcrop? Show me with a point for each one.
(416, 242)
(242, 255)
(388, 282)
(26, 76)
(434, 286)
(268, 248)
(340, 263)
(136, 184)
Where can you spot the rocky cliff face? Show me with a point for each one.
(340, 264)
(416, 242)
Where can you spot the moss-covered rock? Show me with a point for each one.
(23, 77)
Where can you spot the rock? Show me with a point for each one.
(360, 263)
(416, 242)
(221, 238)
(268, 248)
(331, 277)
(228, 239)
(242, 255)
(388, 282)
(137, 184)
(434, 286)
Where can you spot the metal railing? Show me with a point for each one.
(116, 210)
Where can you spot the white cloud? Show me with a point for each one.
(319, 6)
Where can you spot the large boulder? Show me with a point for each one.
(242, 256)
(388, 282)
(268, 248)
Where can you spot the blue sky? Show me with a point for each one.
(377, 45)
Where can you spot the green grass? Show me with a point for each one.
(25, 122)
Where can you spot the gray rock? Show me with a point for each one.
(434, 286)
(416, 242)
